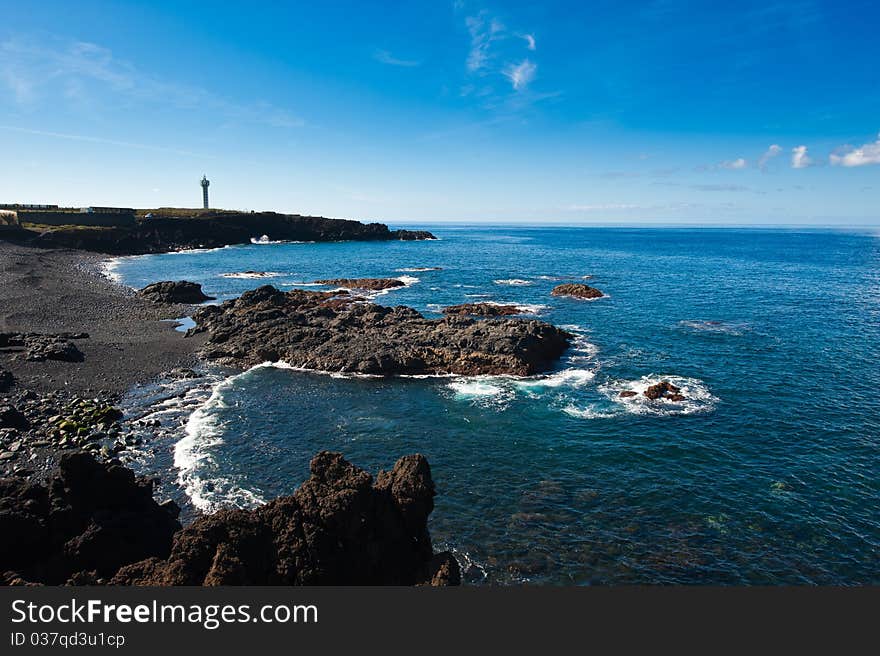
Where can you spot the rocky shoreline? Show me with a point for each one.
(96, 523)
(170, 230)
(341, 332)
(71, 342)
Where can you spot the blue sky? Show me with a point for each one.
(562, 112)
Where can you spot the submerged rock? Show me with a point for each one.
(328, 332)
(339, 528)
(168, 292)
(664, 390)
(372, 284)
(576, 290)
(482, 310)
(627, 394)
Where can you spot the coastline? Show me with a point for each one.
(129, 342)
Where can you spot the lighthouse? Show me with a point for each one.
(205, 184)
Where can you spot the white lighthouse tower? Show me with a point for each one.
(205, 182)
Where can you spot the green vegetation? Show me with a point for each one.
(41, 227)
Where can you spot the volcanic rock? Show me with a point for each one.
(482, 310)
(627, 394)
(664, 390)
(168, 292)
(338, 528)
(576, 290)
(6, 380)
(43, 348)
(328, 332)
(92, 517)
(11, 417)
(372, 284)
(173, 229)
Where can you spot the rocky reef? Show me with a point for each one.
(169, 292)
(664, 390)
(482, 310)
(327, 331)
(369, 284)
(576, 290)
(96, 523)
(168, 230)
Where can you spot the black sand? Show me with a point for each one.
(51, 291)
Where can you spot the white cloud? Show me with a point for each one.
(386, 57)
(520, 75)
(772, 151)
(799, 158)
(867, 154)
(483, 31)
(735, 164)
(530, 41)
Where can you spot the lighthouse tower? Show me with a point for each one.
(205, 182)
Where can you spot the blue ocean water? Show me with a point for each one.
(768, 472)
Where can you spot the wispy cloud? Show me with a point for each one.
(771, 152)
(861, 156)
(386, 57)
(530, 41)
(719, 187)
(522, 74)
(484, 30)
(799, 158)
(101, 140)
(734, 164)
(87, 74)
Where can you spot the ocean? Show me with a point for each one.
(767, 474)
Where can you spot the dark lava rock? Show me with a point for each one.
(11, 417)
(482, 310)
(326, 332)
(175, 292)
(91, 517)
(664, 390)
(40, 349)
(171, 229)
(576, 290)
(627, 394)
(339, 528)
(372, 284)
(6, 380)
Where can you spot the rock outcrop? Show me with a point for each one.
(576, 290)
(371, 284)
(482, 310)
(339, 528)
(330, 332)
(170, 229)
(97, 523)
(91, 519)
(664, 390)
(169, 292)
(39, 347)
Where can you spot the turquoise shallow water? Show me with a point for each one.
(767, 474)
